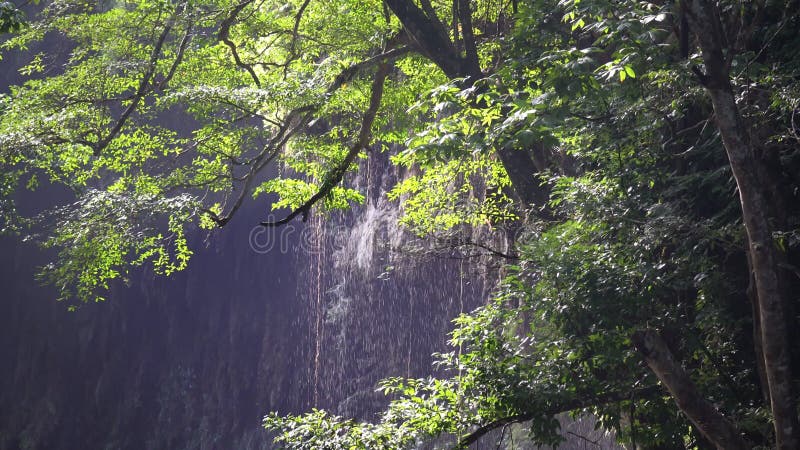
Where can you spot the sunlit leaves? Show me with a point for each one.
(103, 235)
(150, 103)
(453, 193)
(320, 430)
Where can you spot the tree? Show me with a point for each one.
(11, 18)
(619, 204)
(594, 125)
(752, 181)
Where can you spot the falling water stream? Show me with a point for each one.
(318, 327)
(373, 310)
(194, 361)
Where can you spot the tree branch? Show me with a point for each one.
(292, 46)
(224, 36)
(472, 63)
(431, 39)
(364, 135)
(294, 122)
(577, 403)
(351, 71)
(178, 57)
(710, 422)
(453, 244)
(585, 439)
(141, 90)
(431, 13)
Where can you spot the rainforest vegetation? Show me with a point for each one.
(643, 158)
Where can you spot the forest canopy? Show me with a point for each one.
(646, 153)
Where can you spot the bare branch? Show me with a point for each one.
(584, 438)
(224, 36)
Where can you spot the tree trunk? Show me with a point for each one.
(761, 368)
(712, 425)
(763, 253)
(522, 169)
(431, 39)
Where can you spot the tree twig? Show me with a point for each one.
(141, 90)
(224, 36)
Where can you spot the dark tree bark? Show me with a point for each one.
(522, 171)
(431, 37)
(710, 422)
(764, 256)
(471, 63)
(761, 368)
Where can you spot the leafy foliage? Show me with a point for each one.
(637, 225)
(11, 18)
(104, 233)
(647, 230)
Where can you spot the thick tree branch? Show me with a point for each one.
(711, 423)
(431, 39)
(454, 25)
(471, 62)
(579, 402)
(428, 8)
(335, 176)
(522, 170)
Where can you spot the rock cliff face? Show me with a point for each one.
(311, 315)
(180, 363)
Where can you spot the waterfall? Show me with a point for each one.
(310, 315)
(377, 312)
